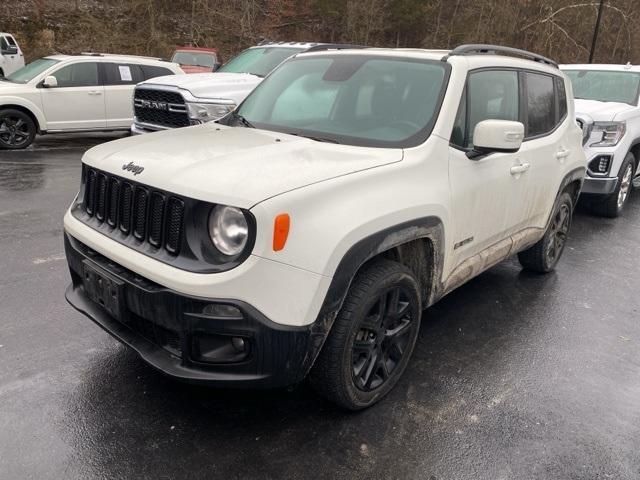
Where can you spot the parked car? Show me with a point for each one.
(607, 110)
(196, 59)
(173, 102)
(11, 57)
(305, 232)
(72, 93)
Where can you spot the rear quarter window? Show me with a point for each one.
(150, 71)
(541, 112)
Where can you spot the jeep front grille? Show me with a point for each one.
(160, 107)
(151, 216)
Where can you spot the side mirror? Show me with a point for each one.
(10, 50)
(50, 82)
(492, 136)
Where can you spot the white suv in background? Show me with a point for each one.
(304, 233)
(606, 98)
(172, 102)
(72, 93)
(11, 57)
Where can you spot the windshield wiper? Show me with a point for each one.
(242, 120)
(317, 139)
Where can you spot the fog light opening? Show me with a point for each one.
(239, 344)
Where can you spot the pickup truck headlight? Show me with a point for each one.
(611, 133)
(207, 112)
(228, 229)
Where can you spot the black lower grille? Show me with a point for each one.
(160, 107)
(146, 214)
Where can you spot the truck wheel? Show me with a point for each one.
(17, 129)
(372, 338)
(613, 204)
(544, 255)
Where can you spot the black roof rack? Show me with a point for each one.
(333, 46)
(480, 49)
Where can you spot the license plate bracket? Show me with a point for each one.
(104, 289)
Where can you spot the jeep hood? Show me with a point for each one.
(220, 85)
(600, 111)
(232, 165)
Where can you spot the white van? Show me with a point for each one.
(11, 58)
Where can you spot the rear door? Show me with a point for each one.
(77, 103)
(119, 81)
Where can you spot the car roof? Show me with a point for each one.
(197, 49)
(110, 57)
(602, 66)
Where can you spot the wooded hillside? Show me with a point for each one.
(560, 29)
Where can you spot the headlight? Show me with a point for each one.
(207, 112)
(609, 133)
(228, 230)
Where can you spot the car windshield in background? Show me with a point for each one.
(362, 100)
(32, 70)
(259, 61)
(605, 85)
(198, 59)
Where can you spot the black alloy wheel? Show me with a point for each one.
(17, 130)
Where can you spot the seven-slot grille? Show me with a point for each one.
(160, 107)
(149, 215)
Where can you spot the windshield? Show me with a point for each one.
(198, 59)
(32, 70)
(353, 99)
(605, 86)
(258, 61)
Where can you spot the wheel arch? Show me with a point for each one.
(39, 122)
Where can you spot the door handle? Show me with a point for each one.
(563, 153)
(95, 92)
(518, 169)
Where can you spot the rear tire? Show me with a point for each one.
(612, 205)
(17, 129)
(544, 255)
(372, 338)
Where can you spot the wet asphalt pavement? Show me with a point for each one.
(515, 376)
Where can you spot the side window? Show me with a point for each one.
(541, 113)
(122, 74)
(3, 43)
(11, 41)
(83, 74)
(152, 71)
(562, 99)
(491, 95)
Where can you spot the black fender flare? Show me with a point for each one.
(430, 227)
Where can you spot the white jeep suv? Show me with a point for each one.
(606, 99)
(72, 93)
(173, 102)
(305, 233)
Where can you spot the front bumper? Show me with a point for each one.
(599, 186)
(167, 329)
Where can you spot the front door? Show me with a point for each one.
(488, 194)
(77, 103)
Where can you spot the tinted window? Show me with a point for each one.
(83, 74)
(352, 99)
(491, 95)
(605, 86)
(3, 43)
(541, 113)
(122, 74)
(152, 71)
(562, 99)
(11, 40)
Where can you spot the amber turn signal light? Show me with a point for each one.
(280, 231)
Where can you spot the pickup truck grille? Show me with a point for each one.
(150, 216)
(162, 108)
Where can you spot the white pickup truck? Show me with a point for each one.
(606, 99)
(11, 57)
(172, 102)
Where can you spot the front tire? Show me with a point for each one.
(612, 205)
(17, 129)
(544, 255)
(372, 338)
